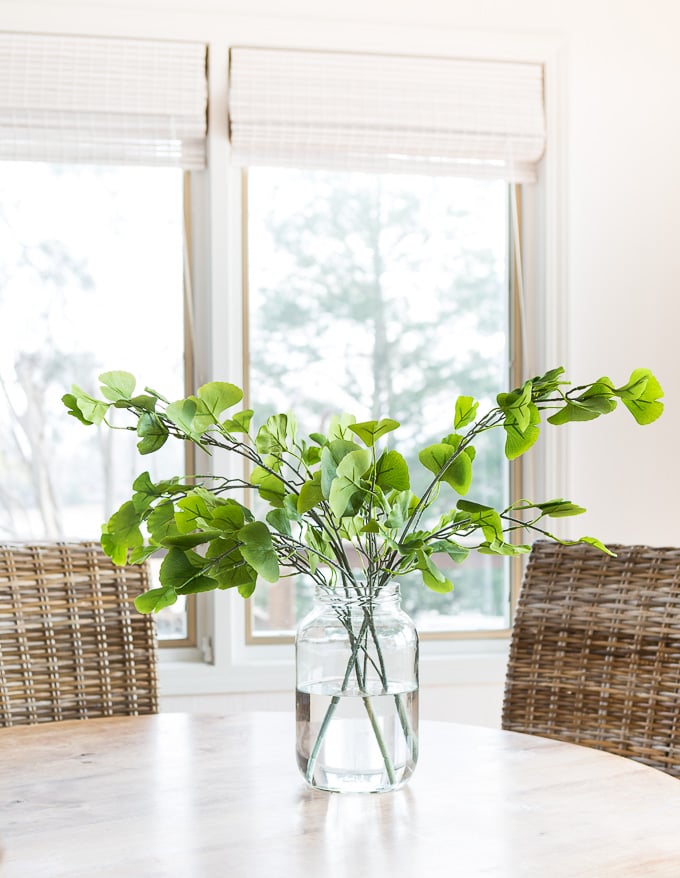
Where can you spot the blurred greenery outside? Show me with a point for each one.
(383, 296)
(90, 280)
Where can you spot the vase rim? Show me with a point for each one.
(387, 593)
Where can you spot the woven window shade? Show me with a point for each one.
(386, 113)
(102, 101)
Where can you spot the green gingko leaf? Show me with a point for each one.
(559, 508)
(597, 399)
(272, 436)
(93, 410)
(228, 517)
(190, 541)
(636, 385)
(543, 386)
(258, 551)
(269, 486)
(454, 550)
(227, 566)
(484, 518)
(345, 497)
(338, 427)
(413, 541)
(354, 465)
(238, 575)
(146, 491)
(516, 406)
(193, 508)
(156, 394)
(391, 472)
(370, 431)
(217, 396)
(118, 553)
(597, 544)
(155, 599)
(152, 432)
(500, 547)
(183, 570)
(182, 414)
(279, 520)
(518, 441)
(599, 403)
(319, 438)
(161, 522)
(141, 553)
(122, 532)
(372, 527)
(452, 467)
(117, 385)
(290, 505)
(71, 403)
(466, 411)
(318, 544)
(590, 541)
(331, 455)
(641, 396)
(401, 507)
(601, 390)
(239, 423)
(148, 403)
(573, 411)
(310, 494)
(311, 455)
(433, 577)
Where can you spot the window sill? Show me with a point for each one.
(271, 669)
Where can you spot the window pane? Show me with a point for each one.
(90, 280)
(383, 296)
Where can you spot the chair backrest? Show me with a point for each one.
(72, 645)
(595, 653)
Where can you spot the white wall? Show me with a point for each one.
(618, 233)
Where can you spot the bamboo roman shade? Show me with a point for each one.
(102, 100)
(386, 113)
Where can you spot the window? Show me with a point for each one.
(91, 267)
(384, 296)
(95, 137)
(378, 259)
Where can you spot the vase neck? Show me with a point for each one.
(360, 595)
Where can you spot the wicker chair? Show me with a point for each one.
(595, 654)
(72, 646)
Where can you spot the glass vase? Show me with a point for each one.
(357, 691)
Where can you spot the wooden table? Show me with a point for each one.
(192, 796)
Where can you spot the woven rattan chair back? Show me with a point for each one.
(595, 654)
(72, 645)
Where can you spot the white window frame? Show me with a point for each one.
(234, 665)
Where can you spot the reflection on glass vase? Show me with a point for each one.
(357, 690)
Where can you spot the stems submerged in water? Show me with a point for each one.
(365, 652)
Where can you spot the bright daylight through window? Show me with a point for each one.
(90, 257)
(382, 296)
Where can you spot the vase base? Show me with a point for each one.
(349, 743)
(353, 783)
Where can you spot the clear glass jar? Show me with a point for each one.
(357, 691)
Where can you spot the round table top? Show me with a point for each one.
(195, 795)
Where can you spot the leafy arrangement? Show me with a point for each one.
(336, 500)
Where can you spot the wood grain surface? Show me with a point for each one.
(185, 795)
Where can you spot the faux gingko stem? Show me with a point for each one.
(389, 768)
(353, 663)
